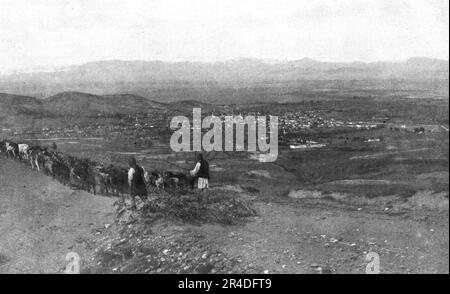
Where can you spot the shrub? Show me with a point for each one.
(209, 206)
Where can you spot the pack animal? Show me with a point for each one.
(23, 150)
(12, 149)
(35, 156)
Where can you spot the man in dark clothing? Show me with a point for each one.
(136, 181)
(201, 171)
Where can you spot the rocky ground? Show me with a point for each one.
(41, 221)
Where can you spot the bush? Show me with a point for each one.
(209, 206)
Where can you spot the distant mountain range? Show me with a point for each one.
(151, 78)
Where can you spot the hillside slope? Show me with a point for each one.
(16, 109)
(77, 103)
(41, 221)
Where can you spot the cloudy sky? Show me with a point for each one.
(36, 33)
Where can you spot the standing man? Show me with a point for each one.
(136, 181)
(201, 171)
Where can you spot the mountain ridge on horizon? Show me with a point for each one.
(59, 68)
(163, 81)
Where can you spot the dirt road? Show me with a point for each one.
(41, 221)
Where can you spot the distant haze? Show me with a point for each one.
(42, 34)
(226, 81)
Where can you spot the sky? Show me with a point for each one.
(39, 34)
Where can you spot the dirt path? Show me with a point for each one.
(318, 238)
(42, 220)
